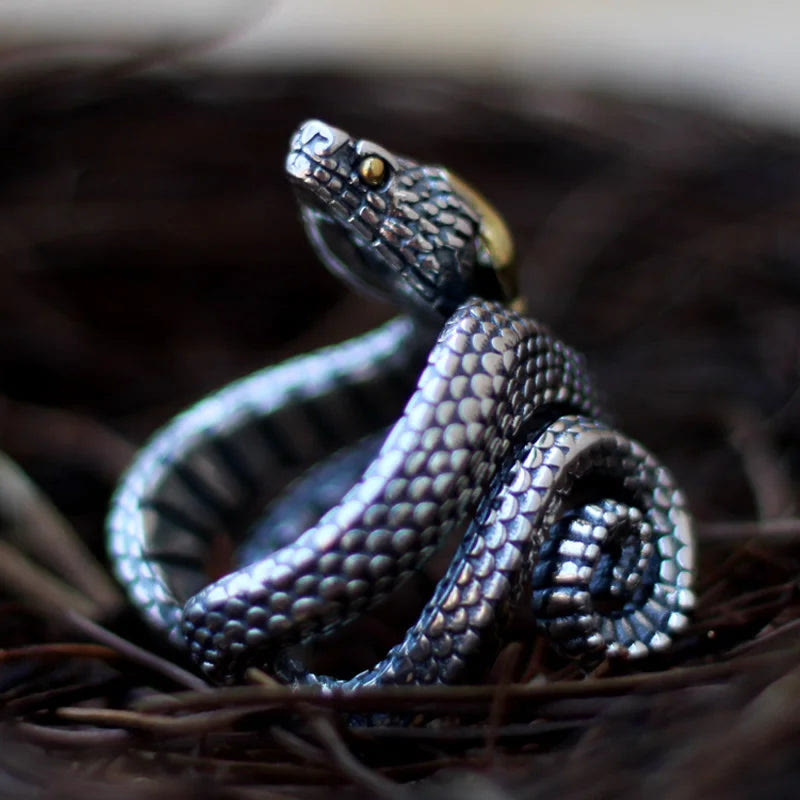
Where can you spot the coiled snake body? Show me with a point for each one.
(501, 438)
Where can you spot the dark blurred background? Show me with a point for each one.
(150, 251)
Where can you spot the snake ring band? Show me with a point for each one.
(462, 416)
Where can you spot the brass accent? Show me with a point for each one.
(493, 232)
(372, 170)
(519, 304)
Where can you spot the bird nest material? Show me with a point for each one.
(149, 252)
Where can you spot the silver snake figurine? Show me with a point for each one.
(462, 418)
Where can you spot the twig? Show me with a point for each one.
(299, 747)
(69, 737)
(261, 678)
(789, 632)
(191, 724)
(22, 578)
(36, 525)
(327, 735)
(137, 654)
(444, 698)
(500, 700)
(26, 702)
(58, 650)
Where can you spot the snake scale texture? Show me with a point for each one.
(462, 418)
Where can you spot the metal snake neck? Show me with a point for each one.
(415, 235)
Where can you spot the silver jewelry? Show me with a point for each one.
(465, 413)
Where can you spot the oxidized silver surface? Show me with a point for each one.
(496, 433)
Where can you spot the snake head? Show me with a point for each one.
(412, 234)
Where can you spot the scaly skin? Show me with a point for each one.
(498, 437)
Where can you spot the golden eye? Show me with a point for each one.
(372, 170)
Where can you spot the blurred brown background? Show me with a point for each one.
(150, 251)
(737, 57)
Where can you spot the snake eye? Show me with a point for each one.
(373, 170)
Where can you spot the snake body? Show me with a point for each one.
(500, 438)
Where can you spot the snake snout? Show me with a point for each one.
(317, 138)
(299, 166)
(314, 151)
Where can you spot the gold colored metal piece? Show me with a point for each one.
(519, 304)
(494, 234)
(372, 170)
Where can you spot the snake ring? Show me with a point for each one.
(463, 417)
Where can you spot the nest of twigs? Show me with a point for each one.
(149, 252)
